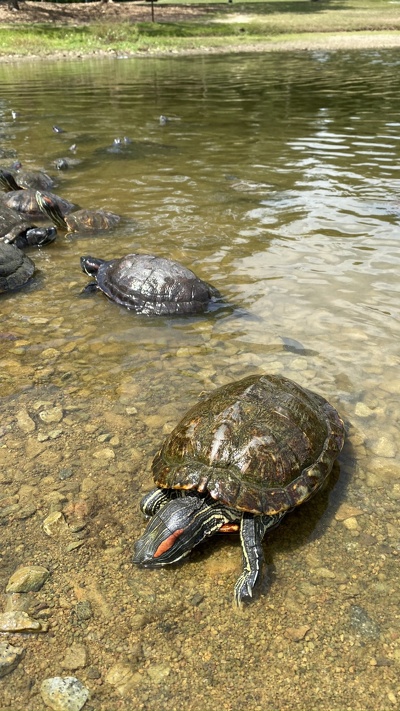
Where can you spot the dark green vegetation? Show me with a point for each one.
(201, 26)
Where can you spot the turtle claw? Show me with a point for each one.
(243, 589)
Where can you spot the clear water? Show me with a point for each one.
(277, 180)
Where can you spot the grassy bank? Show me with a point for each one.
(180, 27)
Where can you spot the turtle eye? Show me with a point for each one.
(168, 543)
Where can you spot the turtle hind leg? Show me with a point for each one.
(252, 531)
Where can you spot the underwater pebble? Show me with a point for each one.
(64, 694)
(296, 634)
(51, 414)
(10, 657)
(346, 511)
(383, 447)
(28, 579)
(362, 623)
(158, 672)
(54, 524)
(25, 422)
(106, 453)
(362, 410)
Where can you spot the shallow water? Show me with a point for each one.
(276, 179)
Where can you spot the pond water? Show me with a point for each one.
(276, 179)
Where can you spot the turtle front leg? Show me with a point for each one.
(252, 531)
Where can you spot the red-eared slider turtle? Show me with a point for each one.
(15, 268)
(24, 201)
(20, 231)
(37, 180)
(80, 221)
(246, 455)
(150, 285)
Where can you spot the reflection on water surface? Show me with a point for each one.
(276, 179)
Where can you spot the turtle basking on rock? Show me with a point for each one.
(240, 459)
(150, 285)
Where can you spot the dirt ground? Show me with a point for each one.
(85, 13)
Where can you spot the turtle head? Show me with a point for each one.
(8, 182)
(39, 236)
(90, 265)
(173, 531)
(49, 207)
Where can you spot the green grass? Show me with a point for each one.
(224, 24)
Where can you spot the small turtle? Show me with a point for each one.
(20, 231)
(24, 201)
(15, 268)
(243, 457)
(80, 221)
(150, 285)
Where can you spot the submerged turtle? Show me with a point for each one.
(150, 285)
(243, 457)
(16, 229)
(15, 268)
(24, 201)
(80, 221)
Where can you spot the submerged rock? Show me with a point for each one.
(27, 579)
(10, 657)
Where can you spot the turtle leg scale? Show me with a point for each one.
(252, 531)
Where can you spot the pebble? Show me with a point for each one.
(28, 579)
(25, 422)
(106, 453)
(64, 694)
(383, 447)
(55, 525)
(158, 672)
(76, 657)
(51, 414)
(10, 657)
(362, 623)
(20, 621)
(124, 678)
(324, 573)
(296, 634)
(362, 410)
(346, 511)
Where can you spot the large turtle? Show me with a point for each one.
(24, 201)
(245, 456)
(80, 221)
(150, 285)
(15, 268)
(20, 231)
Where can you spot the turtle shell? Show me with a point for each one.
(154, 285)
(11, 222)
(24, 201)
(15, 268)
(91, 220)
(37, 180)
(262, 444)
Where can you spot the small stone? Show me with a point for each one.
(346, 511)
(28, 579)
(383, 447)
(106, 453)
(123, 678)
(20, 621)
(10, 657)
(74, 545)
(362, 410)
(138, 621)
(50, 354)
(24, 422)
(76, 657)
(51, 414)
(83, 610)
(158, 672)
(296, 634)
(324, 573)
(64, 694)
(351, 524)
(362, 623)
(55, 525)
